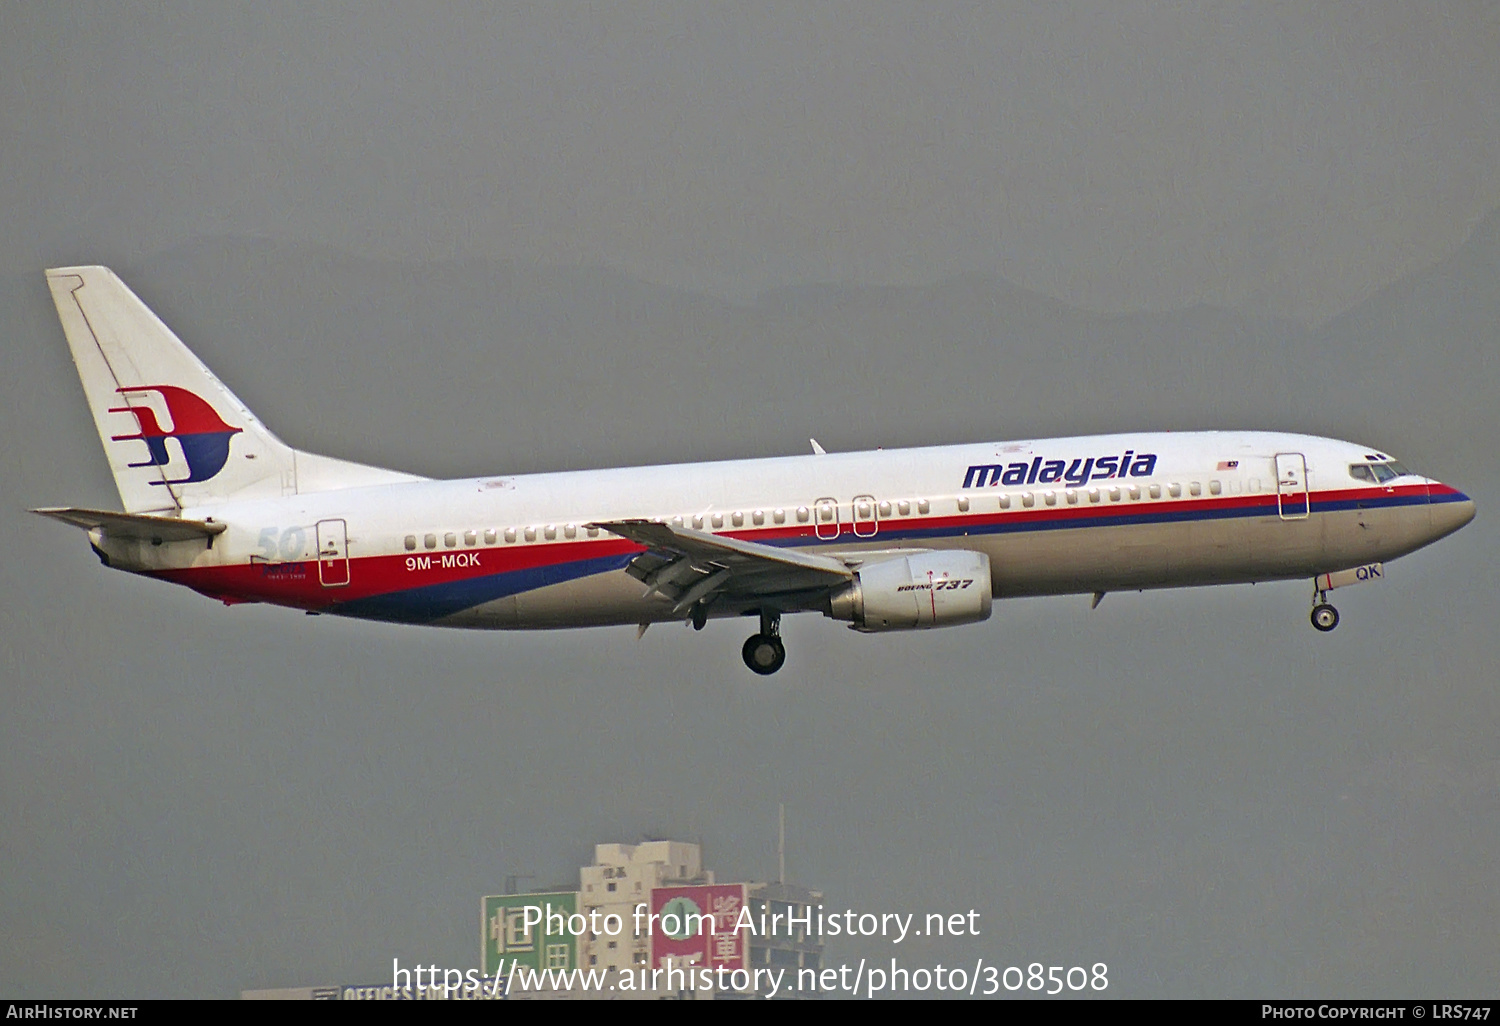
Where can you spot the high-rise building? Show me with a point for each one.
(639, 910)
(620, 880)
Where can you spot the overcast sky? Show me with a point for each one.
(1285, 158)
(522, 238)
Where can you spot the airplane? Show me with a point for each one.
(890, 540)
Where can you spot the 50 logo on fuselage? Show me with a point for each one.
(282, 545)
(198, 428)
(1044, 471)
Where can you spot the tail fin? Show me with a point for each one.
(174, 435)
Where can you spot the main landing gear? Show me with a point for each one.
(1324, 617)
(764, 653)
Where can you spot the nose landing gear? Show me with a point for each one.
(1324, 617)
(764, 653)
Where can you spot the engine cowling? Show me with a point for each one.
(931, 589)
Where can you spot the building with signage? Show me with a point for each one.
(640, 909)
(622, 878)
(529, 930)
(668, 877)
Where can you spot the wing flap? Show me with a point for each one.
(687, 566)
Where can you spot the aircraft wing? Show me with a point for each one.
(141, 526)
(688, 566)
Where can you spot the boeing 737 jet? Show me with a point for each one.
(886, 541)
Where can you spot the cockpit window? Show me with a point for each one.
(1377, 473)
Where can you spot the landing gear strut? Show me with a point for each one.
(764, 653)
(1324, 617)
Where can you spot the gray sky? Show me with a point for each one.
(463, 243)
(1280, 158)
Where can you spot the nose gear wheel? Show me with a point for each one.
(1324, 617)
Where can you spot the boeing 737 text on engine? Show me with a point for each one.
(886, 541)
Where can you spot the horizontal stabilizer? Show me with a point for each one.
(139, 526)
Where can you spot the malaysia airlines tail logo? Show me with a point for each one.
(200, 431)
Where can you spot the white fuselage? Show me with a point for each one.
(1069, 515)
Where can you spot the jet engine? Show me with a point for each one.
(931, 589)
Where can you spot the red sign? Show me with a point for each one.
(696, 926)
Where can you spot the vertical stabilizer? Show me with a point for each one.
(173, 434)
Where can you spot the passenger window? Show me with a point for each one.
(531, 534)
(1156, 491)
(1005, 502)
(1028, 500)
(510, 534)
(1215, 488)
(779, 516)
(489, 536)
(594, 531)
(1174, 490)
(738, 519)
(698, 522)
(718, 520)
(963, 505)
(550, 533)
(1093, 495)
(411, 542)
(1072, 497)
(885, 509)
(903, 508)
(430, 541)
(1195, 489)
(923, 506)
(471, 538)
(450, 539)
(1050, 498)
(1135, 492)
(802, 514)
(571, 531)
(758, 517)
(1114, 495)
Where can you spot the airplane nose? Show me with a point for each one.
(1449, 509)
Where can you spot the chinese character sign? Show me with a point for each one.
(517, 929)
(696, 926)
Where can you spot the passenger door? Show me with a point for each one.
(1291, 486)
(333, 553)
